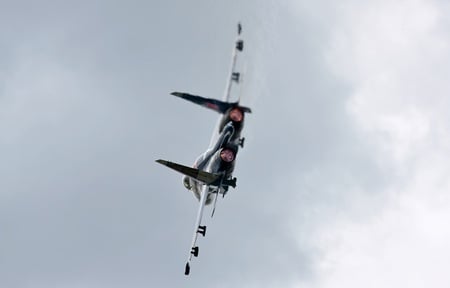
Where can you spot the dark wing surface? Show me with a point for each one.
(200, 175)
(213, 104)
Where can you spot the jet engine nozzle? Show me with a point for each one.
(236, 115)
(227, 155)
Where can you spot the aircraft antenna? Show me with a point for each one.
(215, 202)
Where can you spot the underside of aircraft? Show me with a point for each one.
(212, 172)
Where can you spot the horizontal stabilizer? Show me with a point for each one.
(213, 104)
(199, 175)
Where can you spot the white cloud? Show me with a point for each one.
(405, 246)
(394, 56)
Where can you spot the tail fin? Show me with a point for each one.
(199, 175)
(213, 104)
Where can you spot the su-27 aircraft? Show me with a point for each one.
(212, 172)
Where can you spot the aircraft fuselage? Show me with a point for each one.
(219, 158)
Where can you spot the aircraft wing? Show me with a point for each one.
(213, 104)
(208, 178)
(198, 229)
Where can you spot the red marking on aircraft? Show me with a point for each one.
(236, 115)
(212, 106)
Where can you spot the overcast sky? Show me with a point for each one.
(343, 182)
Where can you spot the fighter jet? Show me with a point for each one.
(212, 172)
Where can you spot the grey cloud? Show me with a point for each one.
(86, 111)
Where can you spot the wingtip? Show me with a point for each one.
(187, 269)
(246, 109)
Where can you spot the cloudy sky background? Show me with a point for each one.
(343, 181)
